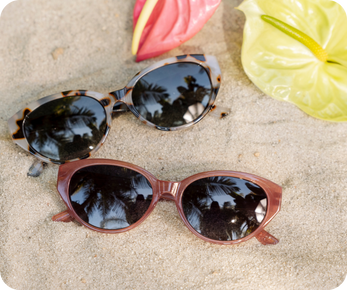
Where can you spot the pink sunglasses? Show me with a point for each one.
(221, 207)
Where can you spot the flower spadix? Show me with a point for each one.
(296, 51)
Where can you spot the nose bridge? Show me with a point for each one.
(119, 94)
(120, 104)
(167, 189)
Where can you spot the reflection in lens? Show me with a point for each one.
(110, 197)
(224, 208)
(173, 95)
(66, 128)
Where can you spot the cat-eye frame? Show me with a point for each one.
(172, 94)
(222, 207)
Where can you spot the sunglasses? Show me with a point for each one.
(172, 94)
(221, 207)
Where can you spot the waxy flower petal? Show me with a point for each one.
(171, 23)
(287, 69)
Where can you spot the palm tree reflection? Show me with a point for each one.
(110, 197)
(176, 101)
(66, 128)
(224, 208)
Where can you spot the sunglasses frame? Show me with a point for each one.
(124, 96)
(170, 191)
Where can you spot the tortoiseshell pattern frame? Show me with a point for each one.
(123, 96)
(170, 191)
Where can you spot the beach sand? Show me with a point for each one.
(51, 46)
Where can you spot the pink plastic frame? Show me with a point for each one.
(170, 191)
(16, 122)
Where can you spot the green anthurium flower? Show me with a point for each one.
(296, 51)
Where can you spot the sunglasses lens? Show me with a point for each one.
(66, 128)
(110, 197)
(173, 95)
(224, 208)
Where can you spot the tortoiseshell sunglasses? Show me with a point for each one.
(172, 94)
(222, 207)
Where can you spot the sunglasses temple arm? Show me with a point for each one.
(266, 239)
(219, 112)
(36, 168)
(63, 217)
(119, 108)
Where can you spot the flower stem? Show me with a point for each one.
(316, 49)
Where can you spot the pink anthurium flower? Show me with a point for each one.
(161, 25)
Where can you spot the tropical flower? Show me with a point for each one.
(296, 51)
(161, 25)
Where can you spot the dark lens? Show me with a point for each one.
(173, 95)
(110, 197)
(224, 208)
(66, 128)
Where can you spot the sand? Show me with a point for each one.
(52, 46)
